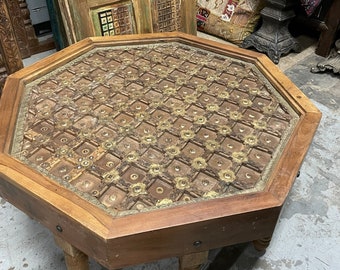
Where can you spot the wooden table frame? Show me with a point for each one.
(83, 230)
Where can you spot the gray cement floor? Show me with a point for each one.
(307, 235)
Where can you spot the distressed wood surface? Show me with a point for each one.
(9, 49)
(146, 16)
(19, 27)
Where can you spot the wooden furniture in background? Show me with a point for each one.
(115, 17)
(328, 36)
(135, 148)
(57, 25)
(27, 39)
(273, 36)
(17, 37)
(21, 34)
(331, 63)
(323, 23)
(10, 58)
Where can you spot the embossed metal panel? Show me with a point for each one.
(152, 146)
(137, 127)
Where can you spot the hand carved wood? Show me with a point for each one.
(117, 17)
(18, 27)
(33, 42)
(3, 74)
(8, 43)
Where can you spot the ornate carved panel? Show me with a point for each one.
(116, 19)
(33, 42)
(3, 74)
(8, 44)
(166, 15)
(18, 27)
(139, 127)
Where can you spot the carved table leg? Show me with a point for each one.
(193, 261)
(262, 244)
(74, 258)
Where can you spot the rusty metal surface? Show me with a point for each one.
(138, 127)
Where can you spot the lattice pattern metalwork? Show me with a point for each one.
(138, 127)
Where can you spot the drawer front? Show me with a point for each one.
(32, 4)
(39, 15)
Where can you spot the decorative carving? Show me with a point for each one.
(33, 42)
(18, 27)
(8, 45)
(166, 16)
(85, 18)
(273, 37)
(139, 127)
(114, 20)
(3, 76)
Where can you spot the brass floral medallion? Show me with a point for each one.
(137, 127)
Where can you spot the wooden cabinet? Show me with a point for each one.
(38, 10)
(86, 18)
(10, 56)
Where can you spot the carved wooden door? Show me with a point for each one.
(116, 17)
(10, 60)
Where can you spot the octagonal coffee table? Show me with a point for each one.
(135, 148)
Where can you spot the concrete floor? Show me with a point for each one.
(307, 235)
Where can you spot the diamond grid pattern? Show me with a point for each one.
(116, 21)
(145, 126)
(167, 16)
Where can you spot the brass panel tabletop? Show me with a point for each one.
(151, 146)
